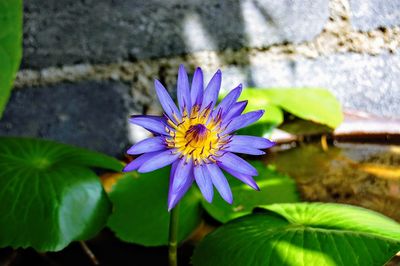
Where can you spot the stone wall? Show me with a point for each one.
(89, 64)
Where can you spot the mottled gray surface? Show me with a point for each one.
(361, 82)
(62, 32)
(370, 14)
(89, 114)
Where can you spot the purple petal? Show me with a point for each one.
(171, 176)
(255, 142)
(233, 161)
(173, 169)
(219, 181)
(180, 182)
(245, 149)
(183, 92)
(172, 173)
(139, 161)
(148, 145)
(235, 111)
(196, 92)
(242, 177)
(166, 102)
(182, 173)
(229, 100)
(243, 121)
(212, 90)
(153, 123)
(204, 182)
(162, 159)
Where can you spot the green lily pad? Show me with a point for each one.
(10, 46)
(272, 117)
(48, 195)
(273, 114)
(258, 129)
(315, 104)
(140, 212)
(274, 188)
(302, 234)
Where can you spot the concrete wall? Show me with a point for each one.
(89, 64)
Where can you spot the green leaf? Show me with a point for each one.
(140, 209)
(274, 188)
(303, 234)
(257, 101)
(48, 195)
(317, 105)
(273, 114)
(272, 117)
(10, 46)
(338, 216)
(36, 152)
(258, 129)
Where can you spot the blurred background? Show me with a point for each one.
(88, 65)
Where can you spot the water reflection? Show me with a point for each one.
(359, 174)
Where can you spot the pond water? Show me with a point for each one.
(366, 175)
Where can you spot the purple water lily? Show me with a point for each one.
(197, 139)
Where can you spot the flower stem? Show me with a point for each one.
(173, 236)
(89, 253)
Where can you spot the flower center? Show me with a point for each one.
(196, 136)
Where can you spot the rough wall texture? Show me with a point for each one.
(106, 31)
(84, 114)
(89, 64)
(371, 14)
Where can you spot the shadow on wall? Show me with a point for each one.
(88, 114)
(68, 32)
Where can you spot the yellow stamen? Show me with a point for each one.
(197, 135)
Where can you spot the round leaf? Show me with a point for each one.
(10, 46)
(307, 234)
(274, 188)
(48, 198)
(44, 153)
(140, 209)
(317, 105)
(272, 117)
(258, 129)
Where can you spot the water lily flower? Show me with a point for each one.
(197, 138)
